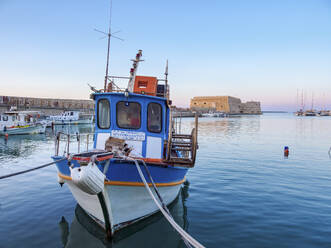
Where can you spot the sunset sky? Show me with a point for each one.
(254, 50)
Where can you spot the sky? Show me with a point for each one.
(255, 50)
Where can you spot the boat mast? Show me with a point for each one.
(133, 70)
(312, 101)
(108, 48)
(302, 106)
(297, 100)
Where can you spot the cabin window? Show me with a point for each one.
(103, 114)
(5, 118)
(154, 118)
(128, 115)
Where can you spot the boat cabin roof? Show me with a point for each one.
(130, 96)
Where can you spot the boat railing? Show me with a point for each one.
(68, 139)
(116, 83)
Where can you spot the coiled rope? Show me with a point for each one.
(182, 232)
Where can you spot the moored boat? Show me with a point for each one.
(309, 113)
(20, 122)
(71, 117)
(134, 139)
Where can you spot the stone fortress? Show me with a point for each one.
(225, 104)
(45, 105)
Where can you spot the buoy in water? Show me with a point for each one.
(286, 151)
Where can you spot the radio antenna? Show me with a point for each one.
(109, 35)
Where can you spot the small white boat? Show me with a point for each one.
(324, 113)
(20, 122)
(214, 114)
(71, 117)
(309, 113)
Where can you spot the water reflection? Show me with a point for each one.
(20, 145)
(230, 127)
(154, 231)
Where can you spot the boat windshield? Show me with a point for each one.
(154, 118)
(128, 115)
(103, 114)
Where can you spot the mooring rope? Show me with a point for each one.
(160, 197)
(182, 232)
(32, 169)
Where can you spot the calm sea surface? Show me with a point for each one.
(241, 193)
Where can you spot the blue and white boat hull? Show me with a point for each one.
(125, 196)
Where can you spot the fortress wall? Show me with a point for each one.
(226, 104)
(47, 105)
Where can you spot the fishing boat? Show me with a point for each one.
(16, 122)
(135, 144)
(71, 117)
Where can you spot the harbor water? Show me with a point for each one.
(242, 191)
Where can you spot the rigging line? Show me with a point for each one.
(160, 197)
(32, 169)
(180, 230)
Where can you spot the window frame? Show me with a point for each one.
(98, 117)
(129, 104)
(161, 121)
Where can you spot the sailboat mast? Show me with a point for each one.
(297, 100)
(108, 49)
(312, 101)
(302, 107)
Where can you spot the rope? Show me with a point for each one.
(182, 232)
(164, 206)
(32, 169)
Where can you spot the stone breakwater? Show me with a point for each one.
(45, 105)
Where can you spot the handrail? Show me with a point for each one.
(68, 139)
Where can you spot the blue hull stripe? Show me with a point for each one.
(127, 172)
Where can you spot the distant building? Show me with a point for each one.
(226, 104)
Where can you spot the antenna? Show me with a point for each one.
(166, 80)
(109, 35)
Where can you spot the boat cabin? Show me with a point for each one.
(66, 116)
(141, 120)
